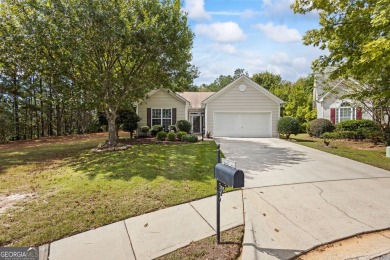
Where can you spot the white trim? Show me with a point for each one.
(205, 120)
(161, 118)
(169, 92)
(248, 81)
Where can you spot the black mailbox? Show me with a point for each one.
(229, 176)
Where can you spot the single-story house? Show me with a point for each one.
(241, 109)
(328, 101)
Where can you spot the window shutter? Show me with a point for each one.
(333, 115)
(149, 117)
(358, 113)
(173, 116)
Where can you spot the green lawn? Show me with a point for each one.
(75, 190)
(376, 155)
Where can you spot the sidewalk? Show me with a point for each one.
(151, 235)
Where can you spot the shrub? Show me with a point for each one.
(144, 129)
(153, 132)
(172, 128)
(161, 135)
(171, 136)
(339, 135)
(180, 134)
(288, 125)
(304, 127)
(330, 135)
(158, 127)
(319, 126)
(355, 125)
(183, 125)
(184, 138)
(192, 138)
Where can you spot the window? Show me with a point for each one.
(162, 116)
(345, 112)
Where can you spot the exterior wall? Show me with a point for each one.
(233, 100)
(161, 99)
(332, 102)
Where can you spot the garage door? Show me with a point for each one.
(240, 124)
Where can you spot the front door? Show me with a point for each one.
(196, 122)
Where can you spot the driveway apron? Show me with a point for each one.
(297, 198)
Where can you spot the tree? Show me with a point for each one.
(267, 80)
(130, 122)
(224, 80)
(356, 36)
(287, 126)
(116, 51)
(300, 101)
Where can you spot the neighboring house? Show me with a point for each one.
(327, 99)
(241, 109)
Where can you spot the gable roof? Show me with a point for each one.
(336, 84)
(195, 98)
(247, 80)
(169, 92)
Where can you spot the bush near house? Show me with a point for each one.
(287, 126)
(180, 134)
(172, 128)
(161, 136)
(184, 125)
(184, 138)
(144, 129)
(304, 127)
(192, 138)
(319, 126)
(171, 136)
(155, 129)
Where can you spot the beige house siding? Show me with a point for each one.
(161, 99)
(234, 100)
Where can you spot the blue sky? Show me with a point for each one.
(255, 35)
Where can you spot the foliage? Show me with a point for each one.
(355, 125)
(180, 134)
(355, 35)
(155, 129)
(172, 128)
(304, 127)
(144, 129)
(319, 126)
(88, 56)
(300, 100)
(268, 80)
(339, 135)
(158, 127)
(161, 136)
(184, 138)
(192, 138)
(171, 136)
(223, 80)
(287, 126)
(183, 125)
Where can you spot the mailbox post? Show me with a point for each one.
(226, 176)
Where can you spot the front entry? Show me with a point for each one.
(196, 121)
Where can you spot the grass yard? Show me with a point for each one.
(362, 151)
(56, 189)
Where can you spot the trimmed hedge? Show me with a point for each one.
(161, 135)
(192, 138)
(144, 129)
(171, 136)
(172, 128)
(288, 125)
(319, 126)
(183, 125)
(180, 134)
(355, 125)
(339, 135)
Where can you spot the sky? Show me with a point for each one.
(254, 35)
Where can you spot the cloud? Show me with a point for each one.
(195, 9)
(279, 33)
(221, 32)
(228, 48)
(247, 13)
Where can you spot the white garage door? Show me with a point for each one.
(240, 124)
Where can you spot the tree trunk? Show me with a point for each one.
(111, 118)
(16, 110)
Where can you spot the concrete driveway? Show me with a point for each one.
(297, 198)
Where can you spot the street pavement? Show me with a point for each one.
(297, 198)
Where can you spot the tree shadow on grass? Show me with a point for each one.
(150, 161)
(39, 155)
